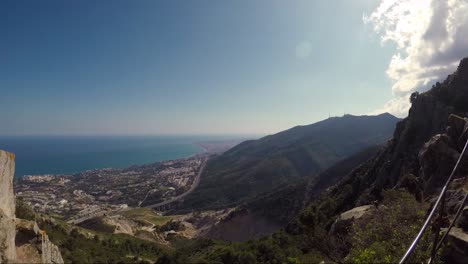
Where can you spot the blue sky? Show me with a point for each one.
(186, 67)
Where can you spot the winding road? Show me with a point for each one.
(98, 213)
(179, 197)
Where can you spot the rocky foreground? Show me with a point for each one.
(21, 241)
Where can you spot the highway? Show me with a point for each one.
(98, 213)
(179, 197)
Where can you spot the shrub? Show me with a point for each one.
(384, 236)
(24, 211)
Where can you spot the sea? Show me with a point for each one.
(39, 155)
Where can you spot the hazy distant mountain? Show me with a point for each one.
(259, 166)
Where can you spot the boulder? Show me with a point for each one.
(437, 158)
(345, 221)
(355, 213)
(456, 252)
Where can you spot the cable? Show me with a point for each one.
(431, 214)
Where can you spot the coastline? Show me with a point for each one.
(202, 151)
(199, 147)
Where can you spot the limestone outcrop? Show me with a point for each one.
(438, 156)
(7, 208)
(21, 241)
(33, 244)
(428, 116)
(345, 221)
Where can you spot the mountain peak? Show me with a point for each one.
(387, 114)
(259, 166)
(463, 66)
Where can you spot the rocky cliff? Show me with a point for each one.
(420, 157)
(7, 207)
(33, 244)
(21, 241)
(400, 162)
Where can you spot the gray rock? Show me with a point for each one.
(437, 158)
(355, 213)
(33, 244)
(7, 208)
(456, 126)
(344, 222)
(463, 220)
(458, 246)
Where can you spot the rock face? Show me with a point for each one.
(437, 158)
(7, 208)
(413, 150)
(33, 244)
(420, 157)
(21, 241)
(50, 252)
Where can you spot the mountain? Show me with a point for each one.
(375, 210)
(423, 151)
(274, 210)
(259, 166)
(401, 158)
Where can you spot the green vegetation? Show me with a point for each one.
(79, 245)
(24, 211)
(277, 248)
(384, 237)
(97, 224)
(280, 205)
(259, 166)
(285, 203)
(378, 237)
(147, 216)
(381, 236)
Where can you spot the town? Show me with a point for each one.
(106, 191)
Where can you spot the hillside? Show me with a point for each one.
(272, 211)
(259, 166)
(419, 158)
(374, 212)
(401, 158)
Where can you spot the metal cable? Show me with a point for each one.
(431, 214)
(442, 240)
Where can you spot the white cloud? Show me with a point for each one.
(430, 38)
(304, 50)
